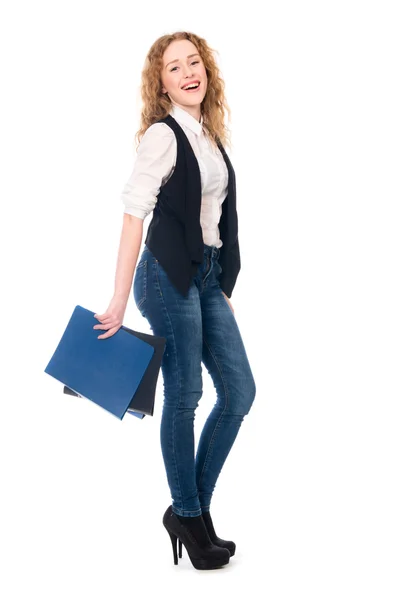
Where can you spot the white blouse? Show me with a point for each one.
(155, 163)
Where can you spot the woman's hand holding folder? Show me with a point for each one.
(121, 375)
(112, 319)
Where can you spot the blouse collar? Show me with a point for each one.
(182, 116)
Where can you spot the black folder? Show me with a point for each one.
(118, 373)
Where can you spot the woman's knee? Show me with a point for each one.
(250, 394)
(181, 400)
(244, 400)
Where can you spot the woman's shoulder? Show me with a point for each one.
(159, 130)
(158, 140)
(157, 136)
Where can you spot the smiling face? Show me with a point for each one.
(183, 65)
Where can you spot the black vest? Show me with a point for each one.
(174, 234)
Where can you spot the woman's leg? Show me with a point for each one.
(178, 319)
(225, 358)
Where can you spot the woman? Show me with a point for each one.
(184, 278)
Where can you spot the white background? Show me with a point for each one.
(310, 490)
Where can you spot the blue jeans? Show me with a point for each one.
(198, 328)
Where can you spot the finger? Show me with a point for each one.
(109, 321)
(104, 317)
(105, 325)
(108, 334)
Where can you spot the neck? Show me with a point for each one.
(194, 111)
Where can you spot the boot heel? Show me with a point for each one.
(192, 533)
(173, 542)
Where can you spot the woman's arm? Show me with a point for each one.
(129, 247)
(131, 239)
(154, 163)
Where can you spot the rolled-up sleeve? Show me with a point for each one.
(154, 163)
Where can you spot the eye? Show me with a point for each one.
(195, 62)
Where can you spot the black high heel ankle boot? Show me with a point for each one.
(192, 532)
(231, 546)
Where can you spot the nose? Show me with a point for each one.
(188, 71)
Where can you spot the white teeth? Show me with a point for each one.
(191, 86)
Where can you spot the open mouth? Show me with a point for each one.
(192, 87)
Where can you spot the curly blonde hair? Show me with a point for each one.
(157, 105)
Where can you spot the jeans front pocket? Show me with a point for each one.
(140, 283)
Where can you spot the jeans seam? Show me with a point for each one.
(222, 413)
(178, 373)
(143, 266)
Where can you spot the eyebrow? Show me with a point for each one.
(177, 59)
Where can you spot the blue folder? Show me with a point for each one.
(118, 373)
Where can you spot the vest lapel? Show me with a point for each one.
(228, 225)
(193, 232)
